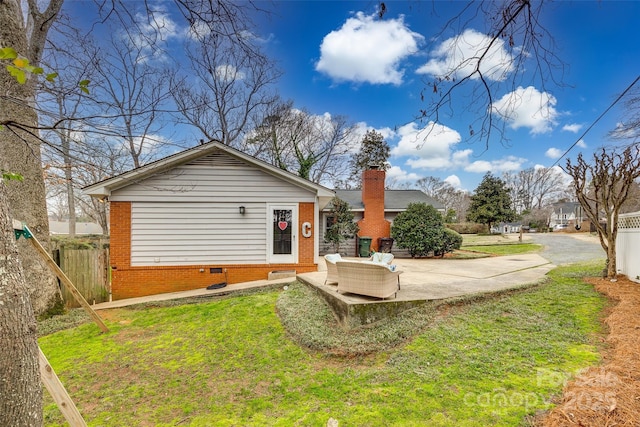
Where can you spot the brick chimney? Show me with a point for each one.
(373, 224)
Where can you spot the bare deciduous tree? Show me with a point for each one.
(59, 104)
(231, 87)
(602, 188)
(447, 194)
(132, 91)
(313, 147)
(534, 188)
(629, 127)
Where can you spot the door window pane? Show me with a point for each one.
(282, 231)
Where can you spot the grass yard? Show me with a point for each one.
(233, 361)
(504, 249)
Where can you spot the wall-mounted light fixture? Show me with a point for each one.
(241, 208)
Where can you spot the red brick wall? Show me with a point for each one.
(373, 224)
(120, 235)
(306, 245)
(130, 282)
(140, 281)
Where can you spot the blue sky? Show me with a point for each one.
(340, 58)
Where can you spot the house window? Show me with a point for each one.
(329, 221)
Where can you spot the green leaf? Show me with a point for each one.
(36, 70)
(51, 77)
(8, 53)
(83, 86)
(11, 176)
(17, 73)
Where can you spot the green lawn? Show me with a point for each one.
(232, 362)
(504, 249)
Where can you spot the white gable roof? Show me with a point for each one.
(104, 188)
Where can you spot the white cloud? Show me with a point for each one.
(581, 144)
(527, 107)
(458, 57)
(509, 163)
(396, 173)
(362, 128)
(566, 178)
(461, 157)
(155, 30)
(479, 166)
(198, 30)
(553, 153)
(368, 50)
(433, 147)
(573, 127)
(624, 131)
(229, 73)
(454, 181)
(429, 147)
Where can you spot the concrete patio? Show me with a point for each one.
(422, 281)
(425, 280)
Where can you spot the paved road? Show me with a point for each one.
(560, 248)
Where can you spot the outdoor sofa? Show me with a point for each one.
(368, 278)
(332, 270)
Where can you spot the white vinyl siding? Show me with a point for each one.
(189, 215)
(215, 178)
(197, 233)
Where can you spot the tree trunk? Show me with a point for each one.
(68, 181)
(20, 388)
(611, 261)
(20, 153)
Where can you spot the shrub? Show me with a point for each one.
(419, 229)
(469, 228)
(451, 240)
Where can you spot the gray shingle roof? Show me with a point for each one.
(394, 200)
(566, 207)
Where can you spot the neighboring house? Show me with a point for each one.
(566, 215)
(62, 227)
(208, 215)
(507, 227)
(374, 209)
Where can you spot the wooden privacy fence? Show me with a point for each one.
(88, 269)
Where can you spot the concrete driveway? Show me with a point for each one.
(568, 248)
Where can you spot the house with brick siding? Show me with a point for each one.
(374, 209)
(208, 215)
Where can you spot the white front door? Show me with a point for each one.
(282, 232)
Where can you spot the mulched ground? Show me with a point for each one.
(608, 395)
